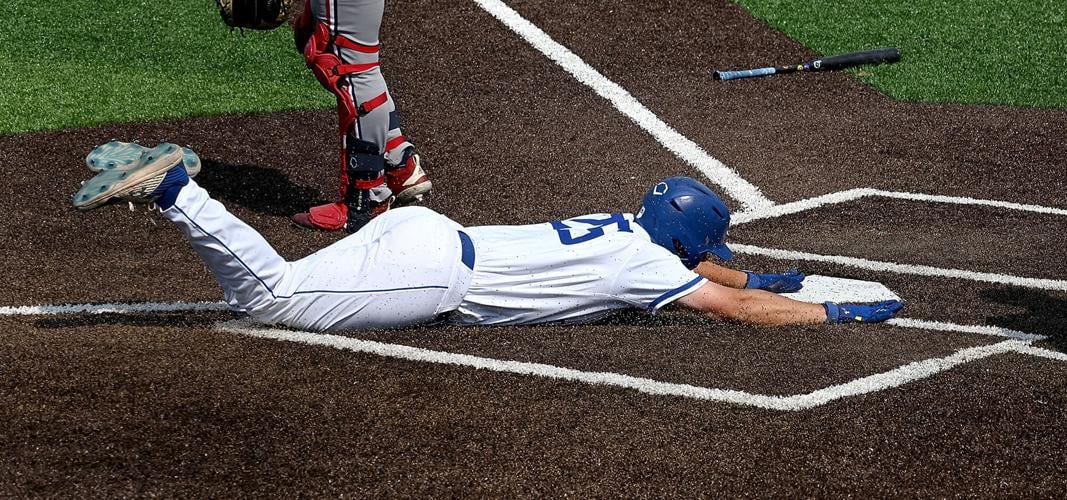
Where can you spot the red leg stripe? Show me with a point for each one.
(370, 105)
(394, 143)
(344, 69)
(346, 43)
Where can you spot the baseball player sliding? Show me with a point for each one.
(339, 41)
(412, 265)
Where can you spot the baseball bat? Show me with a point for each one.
(876, 56)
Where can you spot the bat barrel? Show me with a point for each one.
(876, 56)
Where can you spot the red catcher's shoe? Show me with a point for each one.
(351, 215)
(408, 182)
(328, 217)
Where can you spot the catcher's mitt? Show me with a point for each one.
(254, 14)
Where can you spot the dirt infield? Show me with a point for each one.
(167, 404)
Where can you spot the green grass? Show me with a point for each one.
(973, 51)
(82, 62)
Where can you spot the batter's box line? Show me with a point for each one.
(112, 308)
(893, 267)
(169, 307)
(728, 179)
(747, 216)
(866, 385)
(1019, 342)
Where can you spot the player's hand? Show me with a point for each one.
(862, 313)
(789, 281)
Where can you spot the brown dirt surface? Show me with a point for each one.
(168, 405)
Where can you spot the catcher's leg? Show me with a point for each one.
(378, 122)
(357, 24)
(367, 195)
(343, 52)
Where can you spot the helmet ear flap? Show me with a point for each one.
(690, 261)
(679, 249)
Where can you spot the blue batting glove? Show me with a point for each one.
(789, 281)
(861, 313)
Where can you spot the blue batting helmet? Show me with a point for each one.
(688, 219)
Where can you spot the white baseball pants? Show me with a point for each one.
(407, 266)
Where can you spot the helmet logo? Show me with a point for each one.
(660, 189)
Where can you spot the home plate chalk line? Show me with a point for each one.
(865, 385)
(1016, 342)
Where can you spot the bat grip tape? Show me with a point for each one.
(733, 75)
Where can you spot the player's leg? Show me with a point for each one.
(243, 262)
(359, 21)
(246, 267)
(399, 270)
(343, 52)
(378, 122)
(403, 268)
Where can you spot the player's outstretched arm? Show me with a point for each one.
(721, 275)
(765, 308)
(789, 281)
(752, 306)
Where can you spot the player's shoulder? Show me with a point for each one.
(645, 249)
(618, 233)
(615, 227)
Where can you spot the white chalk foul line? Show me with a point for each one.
(855, 194)
(874, 265)
(728, 179)
(873, 383)
(940, 326)
(959, 200)
(155, 307)
(140, 307)
(1042, 353)
(745, 216)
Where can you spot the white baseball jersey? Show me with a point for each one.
(570, 271)
(411, 265)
